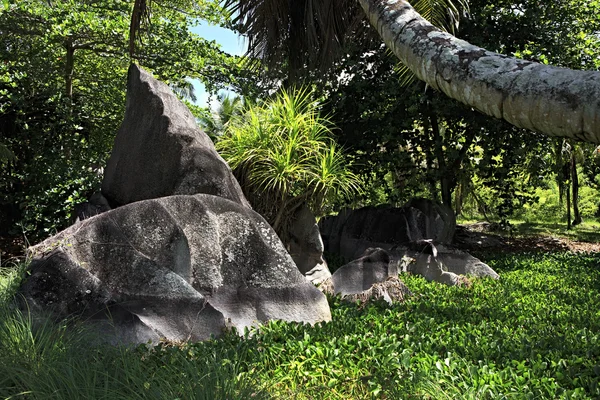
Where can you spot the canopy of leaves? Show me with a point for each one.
(62, 94)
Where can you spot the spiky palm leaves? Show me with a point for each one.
(216, 120)
(303, 34)
(294, 34)
(283, 155)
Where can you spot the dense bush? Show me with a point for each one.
(57, 149)
(283, 154)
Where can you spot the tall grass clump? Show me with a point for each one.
(45, 359)
(283, 155)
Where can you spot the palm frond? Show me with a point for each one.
(445, 14)
(307, 34)
(296, 34)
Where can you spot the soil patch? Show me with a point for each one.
(475, 237)
(12, 249)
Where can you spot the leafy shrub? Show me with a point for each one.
(58, 148)
(284, 157)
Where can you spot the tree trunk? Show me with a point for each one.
(140, 9)
(568, 208)
(296, 57)
(560, 179)
(575, 184)
(69, 66)
(458, 199)
(555, 101)
(429, 156)
(446, 184)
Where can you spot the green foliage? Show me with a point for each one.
(57, 154)
(411, 141)
(548, 206)
(44, 359)
(283, 155)
(62, 95)
(389, 128)
(215, 122)
(560, 33)
(532, 334)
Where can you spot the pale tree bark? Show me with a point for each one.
(555, 101)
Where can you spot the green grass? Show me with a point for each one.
(535, 333)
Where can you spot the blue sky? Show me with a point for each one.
(230, 43)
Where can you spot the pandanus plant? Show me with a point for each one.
(283, 155)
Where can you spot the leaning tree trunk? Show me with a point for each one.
(69, 67)
(555, 101)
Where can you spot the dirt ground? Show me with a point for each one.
(11, 249)
(473, 238)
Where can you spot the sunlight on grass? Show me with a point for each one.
(532, 334)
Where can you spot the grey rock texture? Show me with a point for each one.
(178, 267)
(351, 232)
(306, 246)
(97, 204)
(414, 238)
(160, 151)
(372, 267)
(462, 263)
(372, 276)
(435, 263)
(441, 263)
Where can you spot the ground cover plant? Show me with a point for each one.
(535, 333)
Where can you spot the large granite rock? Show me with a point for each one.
(435, 263)
(160, 151)
(351, 232)
(373, 266)
(415, 238)
(178, 267)
(97, 204)
(306, 246)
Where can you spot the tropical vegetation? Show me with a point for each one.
(527, 94)
(283, 154)
(386, 137)
(532, 334)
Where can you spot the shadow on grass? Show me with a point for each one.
(583, 232)
(44, 359)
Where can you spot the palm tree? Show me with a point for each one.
(216, 120)
(555, 101)
(184, 90)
